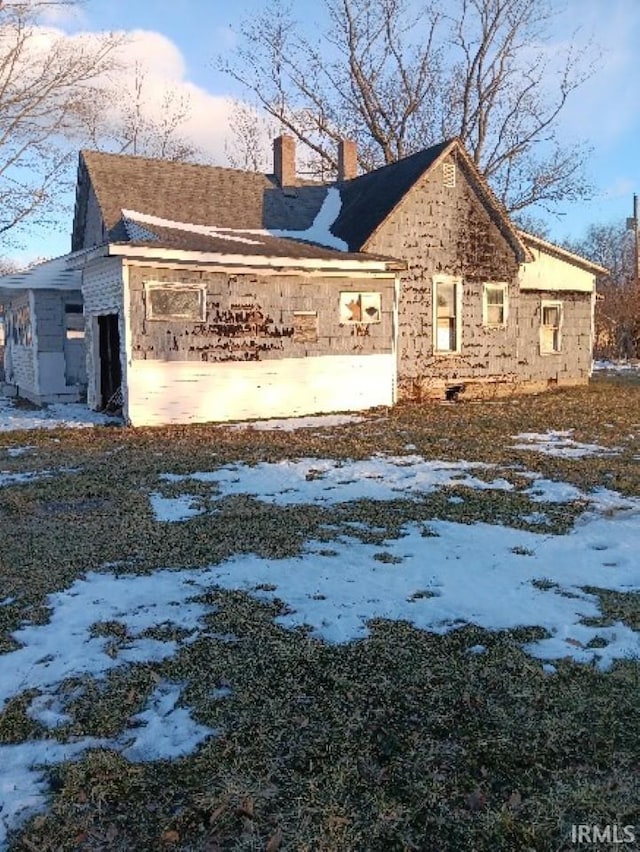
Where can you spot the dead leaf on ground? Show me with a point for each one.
(274, 841)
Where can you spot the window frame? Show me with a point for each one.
(201, 289)
(551, 303)
(495, 286)
(456, 280)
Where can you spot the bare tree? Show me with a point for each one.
(399, 75)
(123, 118)
(44, 92)
(618, 306)
(251, 132)
(58, 94)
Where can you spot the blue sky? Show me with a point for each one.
(178, 40)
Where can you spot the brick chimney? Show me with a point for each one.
(284, 160)
(347, 159)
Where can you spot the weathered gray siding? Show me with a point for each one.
(252, 318)
(252, 357)
(572, 365)
(20, 359)
(102, 290)
(442, 230)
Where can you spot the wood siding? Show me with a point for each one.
(269, 346)
(448, 230)
(198, 392)
(102, 289)
(255, 318)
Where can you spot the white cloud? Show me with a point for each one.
(163, 66)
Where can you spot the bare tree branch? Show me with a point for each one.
(56, 94)
(397, 76)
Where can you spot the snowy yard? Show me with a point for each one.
(215, 608)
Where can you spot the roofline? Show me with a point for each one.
(490, 197)
(565, 254)
(493, 200)
(165, 253)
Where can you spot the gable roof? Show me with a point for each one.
(371, 198)
(563, 254)
(202, 195)
(368, 200)
(234, 199)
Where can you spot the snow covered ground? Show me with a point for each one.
(437, 575)
(68, 414)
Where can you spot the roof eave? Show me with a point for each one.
(565, 254)
(165, 253)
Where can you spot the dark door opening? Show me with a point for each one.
(110, 369)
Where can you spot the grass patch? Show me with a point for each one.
(399, 741)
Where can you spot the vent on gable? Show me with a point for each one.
(449, 175)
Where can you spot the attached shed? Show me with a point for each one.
(44, 356)
(191, 336)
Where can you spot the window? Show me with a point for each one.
(494, 305)
(446, 313)
(449, 175)
(360, 307)
(73, 322)
(550, 327)
(176, 301)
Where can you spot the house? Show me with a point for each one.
(213, 294)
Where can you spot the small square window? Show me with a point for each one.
(360, 307)
(550, 327)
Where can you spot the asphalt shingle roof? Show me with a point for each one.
(368, 199)
(202, 195)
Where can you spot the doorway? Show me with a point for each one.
(110, 368)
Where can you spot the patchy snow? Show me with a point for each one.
(49, 710)
(166, 731)
(319, 231)
(24, 790)
(54, 416)
(172, 509)
(559, 444)
(310, 480)
(15, 452)
(551, 491)
(67, 647)
(617, 366)
(489, 575)
(290, 424)
(8, 477)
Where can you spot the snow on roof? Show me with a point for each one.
(319, 232)
(133, 219)
(56, 274)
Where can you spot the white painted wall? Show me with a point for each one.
(164, 392)
(548, 272)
